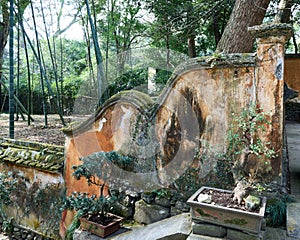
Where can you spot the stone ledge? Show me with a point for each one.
(34, 155)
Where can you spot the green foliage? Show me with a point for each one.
(243, 142)
(224, 178)
(81, 201)
(188, 182)
(121, 28)
(176, 21)
(7, 185)
(74, 225)
(162, 193)
(276, 210)
(71, 86)
(136, 79)
(213, 17)
(88, 205)
(128, 80)
(166, 30)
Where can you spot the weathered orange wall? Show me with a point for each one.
(87, 143)
(292, 72)
(198, 104)
(203, 94)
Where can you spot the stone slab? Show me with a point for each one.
(149, 213)
(173, 228)
(293, 219)
(276, 234)
(208, 229)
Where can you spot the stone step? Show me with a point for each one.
(293, 219)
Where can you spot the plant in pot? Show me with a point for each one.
(238, 209)
(93, 211)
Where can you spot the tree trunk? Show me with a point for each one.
(284, 11)
(11, 71)
(236, 37)
(191, 31)
(191, 46)
(4, 30)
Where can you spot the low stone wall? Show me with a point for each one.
(22, 233)
(39, 188)
(149, 207)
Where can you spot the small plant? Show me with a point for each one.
(89, 204)
(244, 144)
(93, 208)
(276, 210)
(247, 154)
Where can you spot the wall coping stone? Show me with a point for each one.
(146, 105)
(267, 30)
(40, 156)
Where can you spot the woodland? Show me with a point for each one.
(67, 57)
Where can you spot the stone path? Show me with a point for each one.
(293, 209)
(293, 139)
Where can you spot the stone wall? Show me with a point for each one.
(174, 139)
(39, 188)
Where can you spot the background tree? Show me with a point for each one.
(192, 27)
(284, 11)
(236, 37)
(122, 27)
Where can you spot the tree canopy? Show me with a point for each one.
(55, 42)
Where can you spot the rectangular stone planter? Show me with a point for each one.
(228, 217)
(101, 230)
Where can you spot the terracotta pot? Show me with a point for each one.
(101, 230)
(224, 216)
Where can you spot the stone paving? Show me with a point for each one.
(293, 139)
(293, 209)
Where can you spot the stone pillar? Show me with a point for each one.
(269, 82)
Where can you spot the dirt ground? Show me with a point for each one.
(36, 132)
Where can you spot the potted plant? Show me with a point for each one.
(243, 146)
(205, 208)
(93, 211)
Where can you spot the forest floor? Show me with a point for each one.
(36, 131)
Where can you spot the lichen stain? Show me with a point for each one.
(203, 214)
(236, 221)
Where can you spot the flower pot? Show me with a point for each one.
(99, 229)
(250, 222)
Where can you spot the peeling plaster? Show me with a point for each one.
(279, 69)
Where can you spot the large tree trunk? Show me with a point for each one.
(236, 37)
(191, 47)
(284, 11)
(4, 27)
